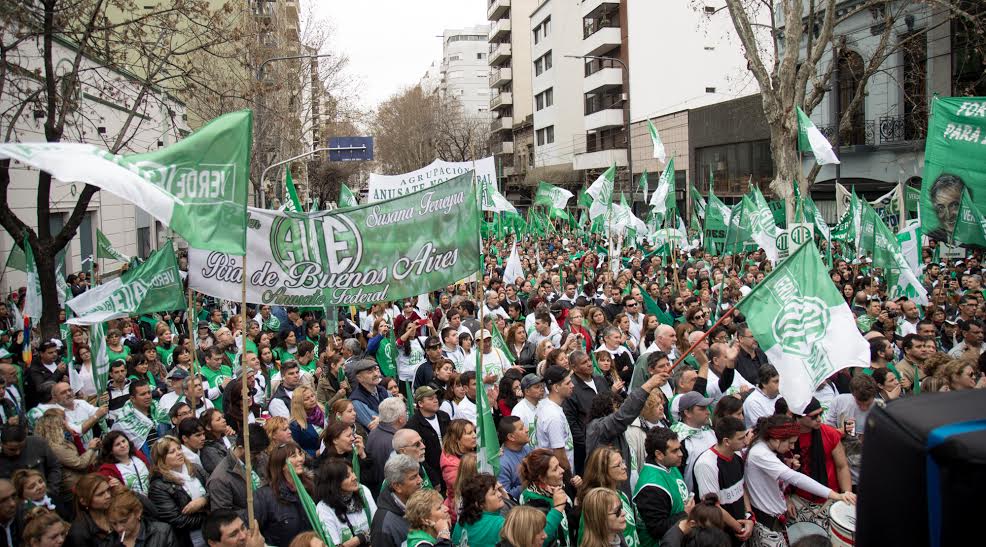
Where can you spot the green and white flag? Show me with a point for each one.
(659, 153)
(953, 165)
(698, 203)
(294, 203)
(662, 200)
(488, 449)
(104, 249)
(909, 239)
(32, 298)
(803, 325)
(601, 192)
(346, 197)
(970, 225)
(552, 196)
(494, 201)
(880, 243)
(762, 227)
(153, 286)
(100, 359)
(717, 217)
(810, 139)
(197, 186)
(387, 355)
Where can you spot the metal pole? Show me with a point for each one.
(263, 175)
(627, 124)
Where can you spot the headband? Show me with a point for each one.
(784, 431)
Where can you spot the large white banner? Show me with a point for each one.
(383, 187)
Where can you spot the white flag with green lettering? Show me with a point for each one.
(803, 325)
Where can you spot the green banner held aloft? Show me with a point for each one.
(954, 163)
(382, 251)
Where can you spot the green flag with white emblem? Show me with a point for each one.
(346, 197)
(104, 249)
(803, 325)
(552, 196)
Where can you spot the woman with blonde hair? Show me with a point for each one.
(44, 528)
(428, 520)
(595, 319)
(603, 519)
(126, 516)
(959, 374)
(307, 419)
(54, 429)
(524, 527)
(178, 492)
(606, 469)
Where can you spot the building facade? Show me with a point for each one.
(465, 72)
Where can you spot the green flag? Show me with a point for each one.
(878, 242)
(387, 355)
(346, 197)
(810, 139)
(643, 184)
(104, 249)
(698, 203)
(803, 325)
(954, 152)
(197, 186)
(499, 342)
(716, 224)
(32, 298)
(308, 504)
(155, 285)
(762, 227)
(488, 456)
(659, 153)
(552, 196)
(294, 204)
(651, 307)
(970, 226)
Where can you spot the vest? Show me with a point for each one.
(668, 480)
(282, 394)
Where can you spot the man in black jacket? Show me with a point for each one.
(389, 529)
(21, 451)
(431, 423)
(750, 357)
(576, 407)
(45, 368)
(227, 483)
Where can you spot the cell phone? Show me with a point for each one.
(691, 496)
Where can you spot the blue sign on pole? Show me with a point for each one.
(351, 149)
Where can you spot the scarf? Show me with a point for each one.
(43, 502)
(273, 324)
(816, 468)
(685, 431)
(135, 424)
(316, 417)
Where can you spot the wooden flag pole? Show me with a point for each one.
(245, 403)
(192, 337)
(704, 336)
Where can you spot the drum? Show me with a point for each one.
(842, 526)
(800, 530)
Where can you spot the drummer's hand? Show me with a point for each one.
(746, 530)
(847, 497)
(792, 511)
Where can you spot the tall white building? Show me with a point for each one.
(465, 71)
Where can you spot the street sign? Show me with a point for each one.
(351, 149)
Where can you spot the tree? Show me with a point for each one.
(405, 129)
(793, 56)
(105, 38)
(461, 138)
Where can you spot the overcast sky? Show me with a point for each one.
(391, 43)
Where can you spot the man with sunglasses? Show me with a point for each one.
(823, 458)
(750, 357)
(433, 357)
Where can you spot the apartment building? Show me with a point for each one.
(511, 100)
(464, 70)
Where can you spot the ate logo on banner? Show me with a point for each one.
(800, 324)
(301, 246)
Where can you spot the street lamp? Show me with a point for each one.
(259, 77)
(626, 72)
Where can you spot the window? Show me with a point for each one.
(545, 135)
(850, 69)
(454, 58)
(544, 99)
(550, 132)
(542, 30)
(710, 90)
(542, 63)
(480, 55)
(709, 10)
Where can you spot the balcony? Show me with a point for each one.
(902, 129)
(499, 53)
(503, 123)
(861, 133)
(505, 147)
(602, 79)
(591, 8)
(500, 30)
(601, 40)
(502, 99)
(600, 159)
(604, 119)
(500, 76)
(496, 9)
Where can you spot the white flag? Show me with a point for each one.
(32, 299)
(514, 270)
(601, 192)
(659, 151)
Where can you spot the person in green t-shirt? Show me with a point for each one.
(216, 374)
(661, 495)
(165, 348)
(116, 350)
(428, 520)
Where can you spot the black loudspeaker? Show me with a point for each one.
(924, 472)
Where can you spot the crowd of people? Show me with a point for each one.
(698, 448)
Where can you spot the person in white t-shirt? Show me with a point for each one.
(80, 415)
(526, 409)
(552, 429)
(495, 362)
(760, 403)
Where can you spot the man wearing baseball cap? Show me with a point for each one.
(532, 386)
(694, 432)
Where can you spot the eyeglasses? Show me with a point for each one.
(618, 511)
